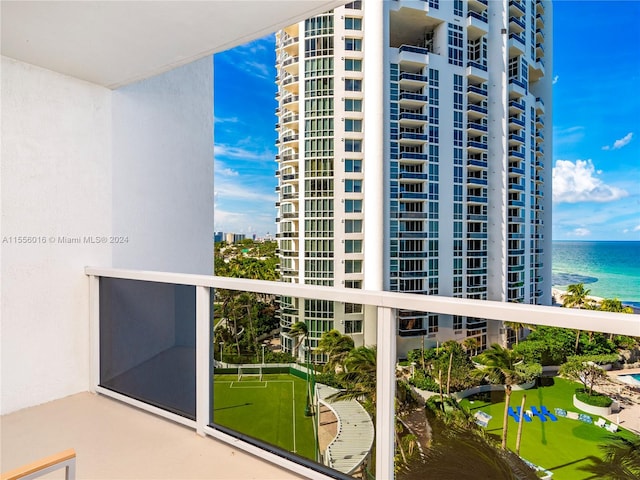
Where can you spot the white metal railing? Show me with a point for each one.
(386, 303)
(44, 466)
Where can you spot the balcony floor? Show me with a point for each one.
(116, 441)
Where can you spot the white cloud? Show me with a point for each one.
(237, 191)
(220, 168)
(244, 57)
(221, 150)
(226, 120)
(576, 182)
(581, 232)
(623, 141)
(568, 136)
(620, 142)
(637, 228)
(555, 79)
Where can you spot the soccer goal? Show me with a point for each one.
(249, 371)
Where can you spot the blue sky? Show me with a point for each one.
(596, 127)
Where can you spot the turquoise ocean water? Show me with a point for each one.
(608, 269)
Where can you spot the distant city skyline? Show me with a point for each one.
(596, 174)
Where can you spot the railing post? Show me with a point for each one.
(94, 332)
(203, 355)
(385, 393)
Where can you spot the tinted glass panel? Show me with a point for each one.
(147, 342)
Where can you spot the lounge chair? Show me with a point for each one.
(585, 418)
(612, 427)
(560, 412)
(537, 413)
(511, 412)
(601, 422)
(526, 417)
(482, 418)
(546, 412)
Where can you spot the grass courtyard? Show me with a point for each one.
(271, 410)
(562, 446)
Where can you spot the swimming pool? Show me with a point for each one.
(631, 379)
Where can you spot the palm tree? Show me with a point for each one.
(621, 460)
(359, 379)
(300, 331)
(577, 297)
(337, 348)
(516, 327)
(500, 368)
(471, 344)
(520, 423)
(614, 305)
(359, 376)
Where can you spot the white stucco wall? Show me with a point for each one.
(163, 171)
(56, 182)
(83, 162)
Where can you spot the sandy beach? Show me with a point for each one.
(557, 296)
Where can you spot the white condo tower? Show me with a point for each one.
(411, 152)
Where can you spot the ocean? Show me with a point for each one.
(608, 269)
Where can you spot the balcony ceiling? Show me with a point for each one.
(113, 43)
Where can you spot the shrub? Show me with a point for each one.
(329, 378)
(602, 359)
(414, 356)
(424, 382)
(278, 357)
(625, 342)
(595, 400)
(529, 371)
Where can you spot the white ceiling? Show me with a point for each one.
(113, 43)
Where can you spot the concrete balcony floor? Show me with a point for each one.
(115, 441)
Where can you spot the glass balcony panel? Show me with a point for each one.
(147, 342)
(143, 321)
(293, 390)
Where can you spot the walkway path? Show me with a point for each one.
(354, 432)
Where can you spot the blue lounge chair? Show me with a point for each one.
(537, 413)
(482, 418)
(511, 412)
(585, 418)
(560, 412)
(526, 417)
(546, 412)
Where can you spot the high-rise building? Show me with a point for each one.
(411, 151)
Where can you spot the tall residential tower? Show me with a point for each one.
(411, 151)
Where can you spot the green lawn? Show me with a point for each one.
(563, 446)
(271, 410)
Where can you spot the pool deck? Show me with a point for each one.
(627, 396)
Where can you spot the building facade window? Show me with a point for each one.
(352, 165)
(353, 266)
(353, 44)
(352, 23)
(353, 206)
(352, 145)
(353, 186)
(353, 226)
(353, 105)
(353, 85)
(353, 65)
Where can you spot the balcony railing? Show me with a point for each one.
(475, 64)
(153, 343)
(480, 16)
(414, 49)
